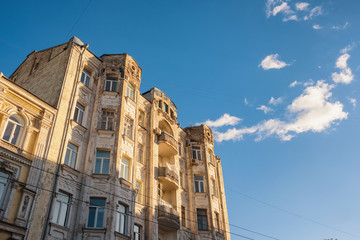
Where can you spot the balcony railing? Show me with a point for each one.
(170, 178)
(167, 144)
(168, 217)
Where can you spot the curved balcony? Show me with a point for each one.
(168, 217)
(167, 145)
(169, 178)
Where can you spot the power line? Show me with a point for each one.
(77, 20)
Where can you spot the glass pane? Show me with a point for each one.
(97, 202)
(102, 154)
(105, 169)
(62, 214)
(16, 134)
(67, 157)
(91, 220)
(72, 147)
(98, 165)
(8, 131)
(107, 85)
(100, 218)
(83, 77)
(201, 186)
(196, 186)
(114, 86)
(56, 212)
(73, 159)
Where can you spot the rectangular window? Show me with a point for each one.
(183, 216)
(202, 219)
(140, 153)
(4, 177)
(179, 147)
(124, 169)
(61, 209)
(210, 157)
(128, 127)
(79, 113)
(172, 114)
(85, 77)
(107, 120)
(213, 187)
(196, 153)
(111, 84)
(199, 183)
(142, 118)
(166, 107)
(130, 91)
(102, 162)
(217, 222)
(96, 213)
(122, 219)
(138, 192)
(71, 155)
(137, 232)
(182, 179)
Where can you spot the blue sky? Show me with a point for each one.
(277, 80)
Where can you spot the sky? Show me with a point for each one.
(276, 80)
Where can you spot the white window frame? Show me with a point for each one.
(196, 152)
(199, 184)
(61, 209)
(102, 161)
(128, 127)
(85, 77)
(137, 232)
(124, 168)
(97, 208)
(79, 113)
(141, 118)
(15, 125)
(113, 84)
(139, 186)
(122, 218)
(68, 159)
(107, 120)
(140, 153)
(130, 91)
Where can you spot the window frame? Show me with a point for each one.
(140, 157)
(128, 127)
(107, 120)
(125, 167)
(85, 77)
(201, 216)
(122, 222)
(130, 91)
(199, 184)
(139, 188)
(102, 160)
(5, 183)
(213, 187)
(18, 125)
(137, 234)
(183, 216)
(67, 205)
(196, 152)
(97, 208)
(79, 113)
(113, 84)
(141, 119)
(68, 158)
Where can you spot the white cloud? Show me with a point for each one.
(340, 27)
(265, 109)
(272, 62)
(246, 102)
(317, 27)
(293, 84)
(308, 83)
(345, 75)
(348, 48)
(312, 111)
(270, 4)
(352, 101)
(224, 120)
(275, 101)
(284, 7)
(316, 11)
(302, 6)
(290, 18)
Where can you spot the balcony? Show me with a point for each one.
(168, 146)
(169, 178)
(168, 217)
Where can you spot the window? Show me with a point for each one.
(196, 153)
(179, 147)
(210, 157)
(130, 91)
(172, 114)
(111, 84)
(96, 212)
(85, 77)
(213, 187)
(202, 219)
(137, 232)
(124, 169)
(140, 153)
(182, 179)
(71, 155)
(142, 118)
(138, 192)
(166, 107)
(128, 126)
(79, 113)
(61, 209)
(217, 222)
(183, 216)
(4, 178)
(102, 162)
(122, 219)
(199, 183)
(160, 104)
(13, 130)
(107, 120)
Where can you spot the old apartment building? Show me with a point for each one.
(85, 155)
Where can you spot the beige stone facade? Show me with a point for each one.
(109, 162)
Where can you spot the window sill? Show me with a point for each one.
(84, 87)
(125, 182)
(94, 230)
(127, 98)
(100, 175)
(127, 138)
(59, 226)
(122, 236)
(106, 132)
(78, 125)
(110, 93)
(67, 168)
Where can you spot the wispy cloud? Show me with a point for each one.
(317, 27)
(302, 6)
(311, 111)
(316, 11)
(352, 101)
(340, 27)
(348, 48)
(293, 84)
(272, 62)
(224, 120)
(246, 102)
(275, 101)
(345, 75)
(265, 109)
(282, 8)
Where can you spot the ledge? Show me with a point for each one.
(67, 168)
(94, 230)
(125, 182)
(106, 132)
(100, 175)
(121, 236)
(110, 93)
(59, 226)
(78, 125)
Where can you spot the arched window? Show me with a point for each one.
(14, 129)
